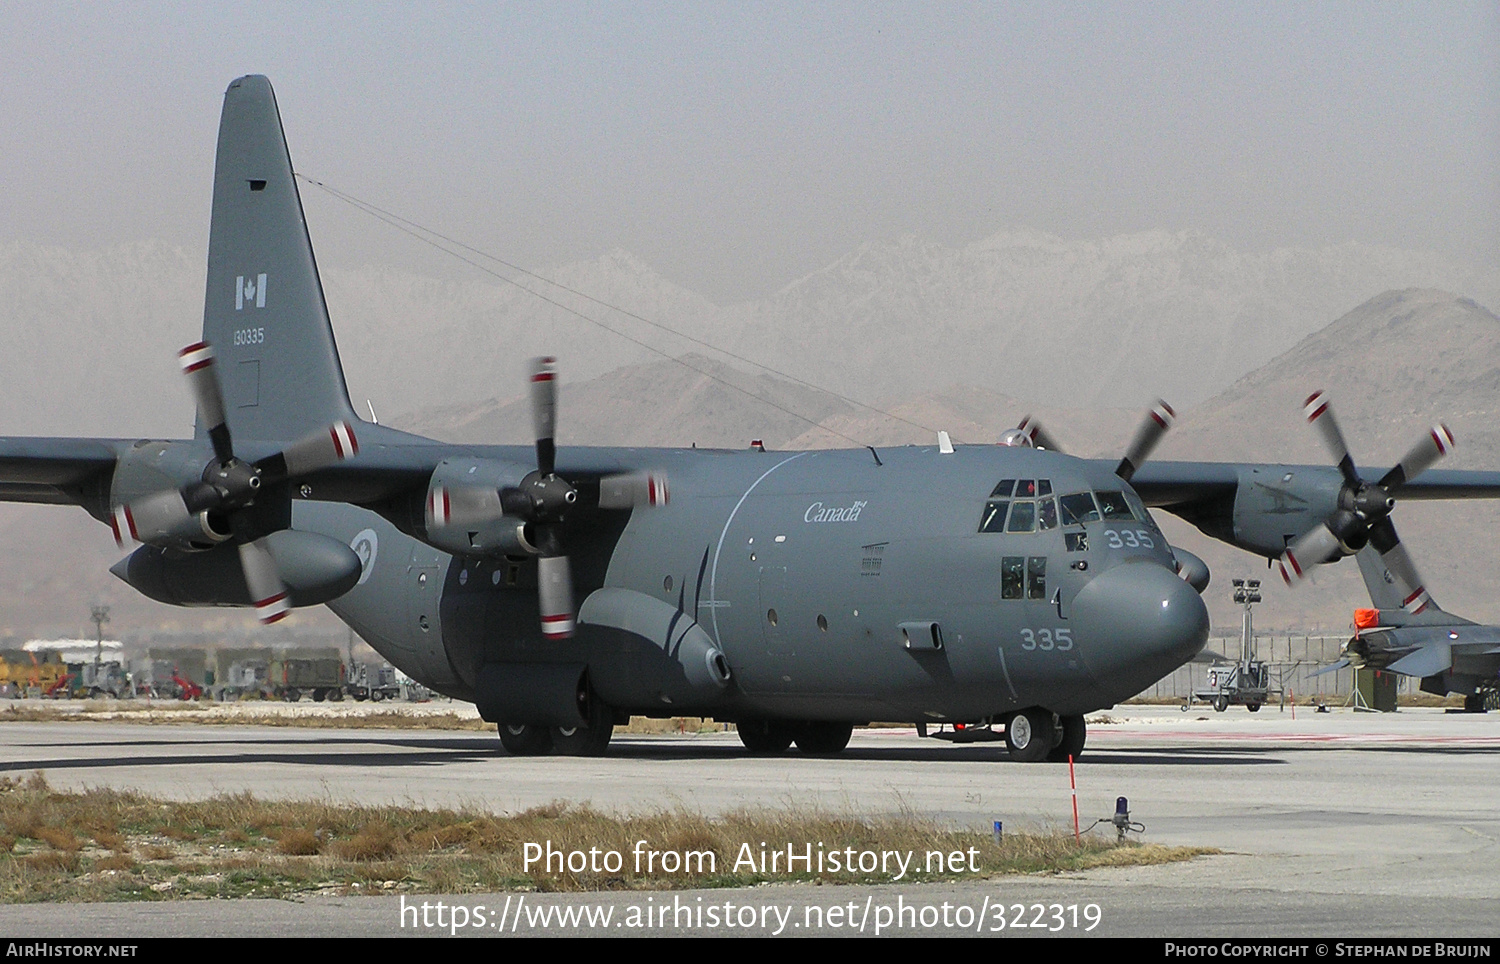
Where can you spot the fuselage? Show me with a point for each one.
(840, 585)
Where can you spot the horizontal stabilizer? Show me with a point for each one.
(1426, 661)
(1333, 668)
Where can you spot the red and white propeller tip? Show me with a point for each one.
(262, 578)
(1158, 419)
(555, 593)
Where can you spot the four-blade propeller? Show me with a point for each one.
(1363, 513)
(228, 488)
(541, 503)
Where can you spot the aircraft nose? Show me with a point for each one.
(1136, 622)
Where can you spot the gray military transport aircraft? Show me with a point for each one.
(794, 593)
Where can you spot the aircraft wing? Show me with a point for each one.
(390, 464)
(1172, 483)
(56, 471)
(1449, 484)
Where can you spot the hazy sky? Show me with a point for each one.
(738, 146)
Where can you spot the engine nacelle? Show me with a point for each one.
(464, 516)
(1271, 507)
(145, 503)
(314, 568)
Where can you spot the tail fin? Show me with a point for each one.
(264, 311)
(1384, 593)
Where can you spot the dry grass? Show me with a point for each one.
(111, 845)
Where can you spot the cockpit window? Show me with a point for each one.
(1028, 512)
(1078, 508)
(1022, 517)
(1114, 506)
(1012, 576)
(1137, 506)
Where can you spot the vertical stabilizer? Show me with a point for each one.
(264, 312)
(1385, 591)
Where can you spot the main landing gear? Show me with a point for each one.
(1035, 734)
(815, 738)
(590, 738)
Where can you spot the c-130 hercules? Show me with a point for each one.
(796, 594)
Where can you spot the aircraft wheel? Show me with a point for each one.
(336, 696)
(1074, 733)
(318, 695)
(824, 739)
(590, 739)
(1029, 735)
(522, 740)
(1253, 707)
(292, 695)
(1474, 703)
(1221, 703)
(766, 736)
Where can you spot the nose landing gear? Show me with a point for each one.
(1035, 734)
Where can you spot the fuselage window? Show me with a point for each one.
(1113, 505)
(1078, 509)
(993, 519)
(1022, 517)
(1036, 577)
(1012, 575)
(1046, 514)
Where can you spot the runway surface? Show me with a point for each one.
(1333, 824)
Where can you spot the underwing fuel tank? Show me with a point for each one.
(314, 568)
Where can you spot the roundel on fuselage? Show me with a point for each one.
(365, 545)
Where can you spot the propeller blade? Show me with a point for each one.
(1153, 427)
(149, 519)
(1397, 562)
(544, 412)
(1033, 430)
(1319, 412)
(197, 362)
(324, 447)
(263, 580)
(462, 506)
(633, 489)
(555, 592)
(1318, 545)
(1437, 443)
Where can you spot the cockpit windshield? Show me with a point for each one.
(1027, 505)
(1113, 505)
(1078, 508)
